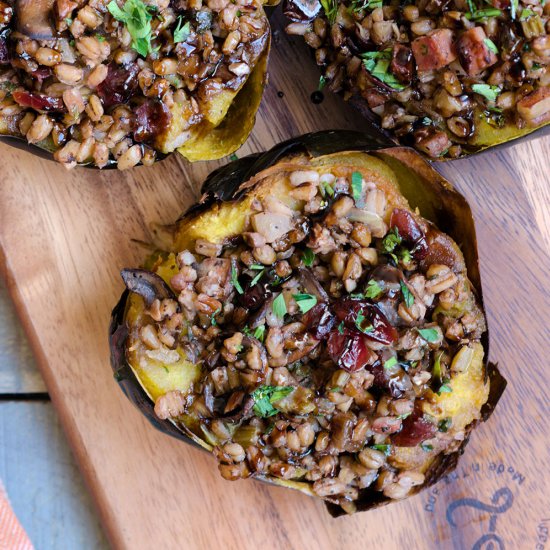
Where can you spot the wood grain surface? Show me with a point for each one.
(65, 235)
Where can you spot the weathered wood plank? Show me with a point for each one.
(42, 481)
(18, 372)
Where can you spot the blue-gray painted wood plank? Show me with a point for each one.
(18, 372)
(42, 481)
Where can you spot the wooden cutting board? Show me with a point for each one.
(65, 235)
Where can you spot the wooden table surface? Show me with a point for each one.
(64, 237)
(37, 467)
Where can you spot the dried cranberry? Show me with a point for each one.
(39, 102)
(152, 118)
(349, 350)
(366, 317)
(42, 73)
(319, 321)
(415, 429)
(120, 84)
(402, 63)
(396, 383)
(255, 296)
(410, 232)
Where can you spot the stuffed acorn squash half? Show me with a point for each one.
(127, 82)
(310, 323)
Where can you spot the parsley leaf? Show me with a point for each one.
(429, 334)
(182, 31)
(265, 396)
(305, 301)
(444, 425)
(373, 290)
(258, 277)
(259, 332)
(391, 240)
(481, 14)
(137, 18)
(426, 447)
(213, 321)
(445, 388)
(235, 279)
(436, 371)
(386, 449)
(326, 189)
(357, 186)
(490, 44)
(331, 10)
(378, 64)
(233, 157)
(487, 91)
(361, 325)
(391, 362)
(407, 295)
(322, 82)
(341, 328)
(279, 306)
(308, 257)
(525, 14)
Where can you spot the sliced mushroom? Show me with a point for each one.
(147, 284)
(34, 18)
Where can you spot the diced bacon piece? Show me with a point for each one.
(535, 107)
(435, 50)
(474, 54)
(432, 142)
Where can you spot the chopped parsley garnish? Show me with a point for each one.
(378, 64)
(305, 301)
(308, 257)
(360, 323)
(373, 290)
(213, 321)
(487, 91)
(525, 14)
(235, 280)
(357, 186)
(407, 294)
(259, 332)
(444, 425)
(445, 388)
(436, 372)
(261, 271)
(256, 267)
(182, 31)
(331, 10)
(322, 83)
(391, 240)
(386, 449)
(341, 328)
(426, 447)
(265, 396)
(326, 189)
(279, 306)
(8, 86)
(513, 8)
(481, 14)
(137, 17)
(490, 44)
(426, 121)
(233, 157)
(391, 362)
(429, 334)
(335, 389)
(404, 415)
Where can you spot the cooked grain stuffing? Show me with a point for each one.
(434, 72)
(335, 341)
(104, 80)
